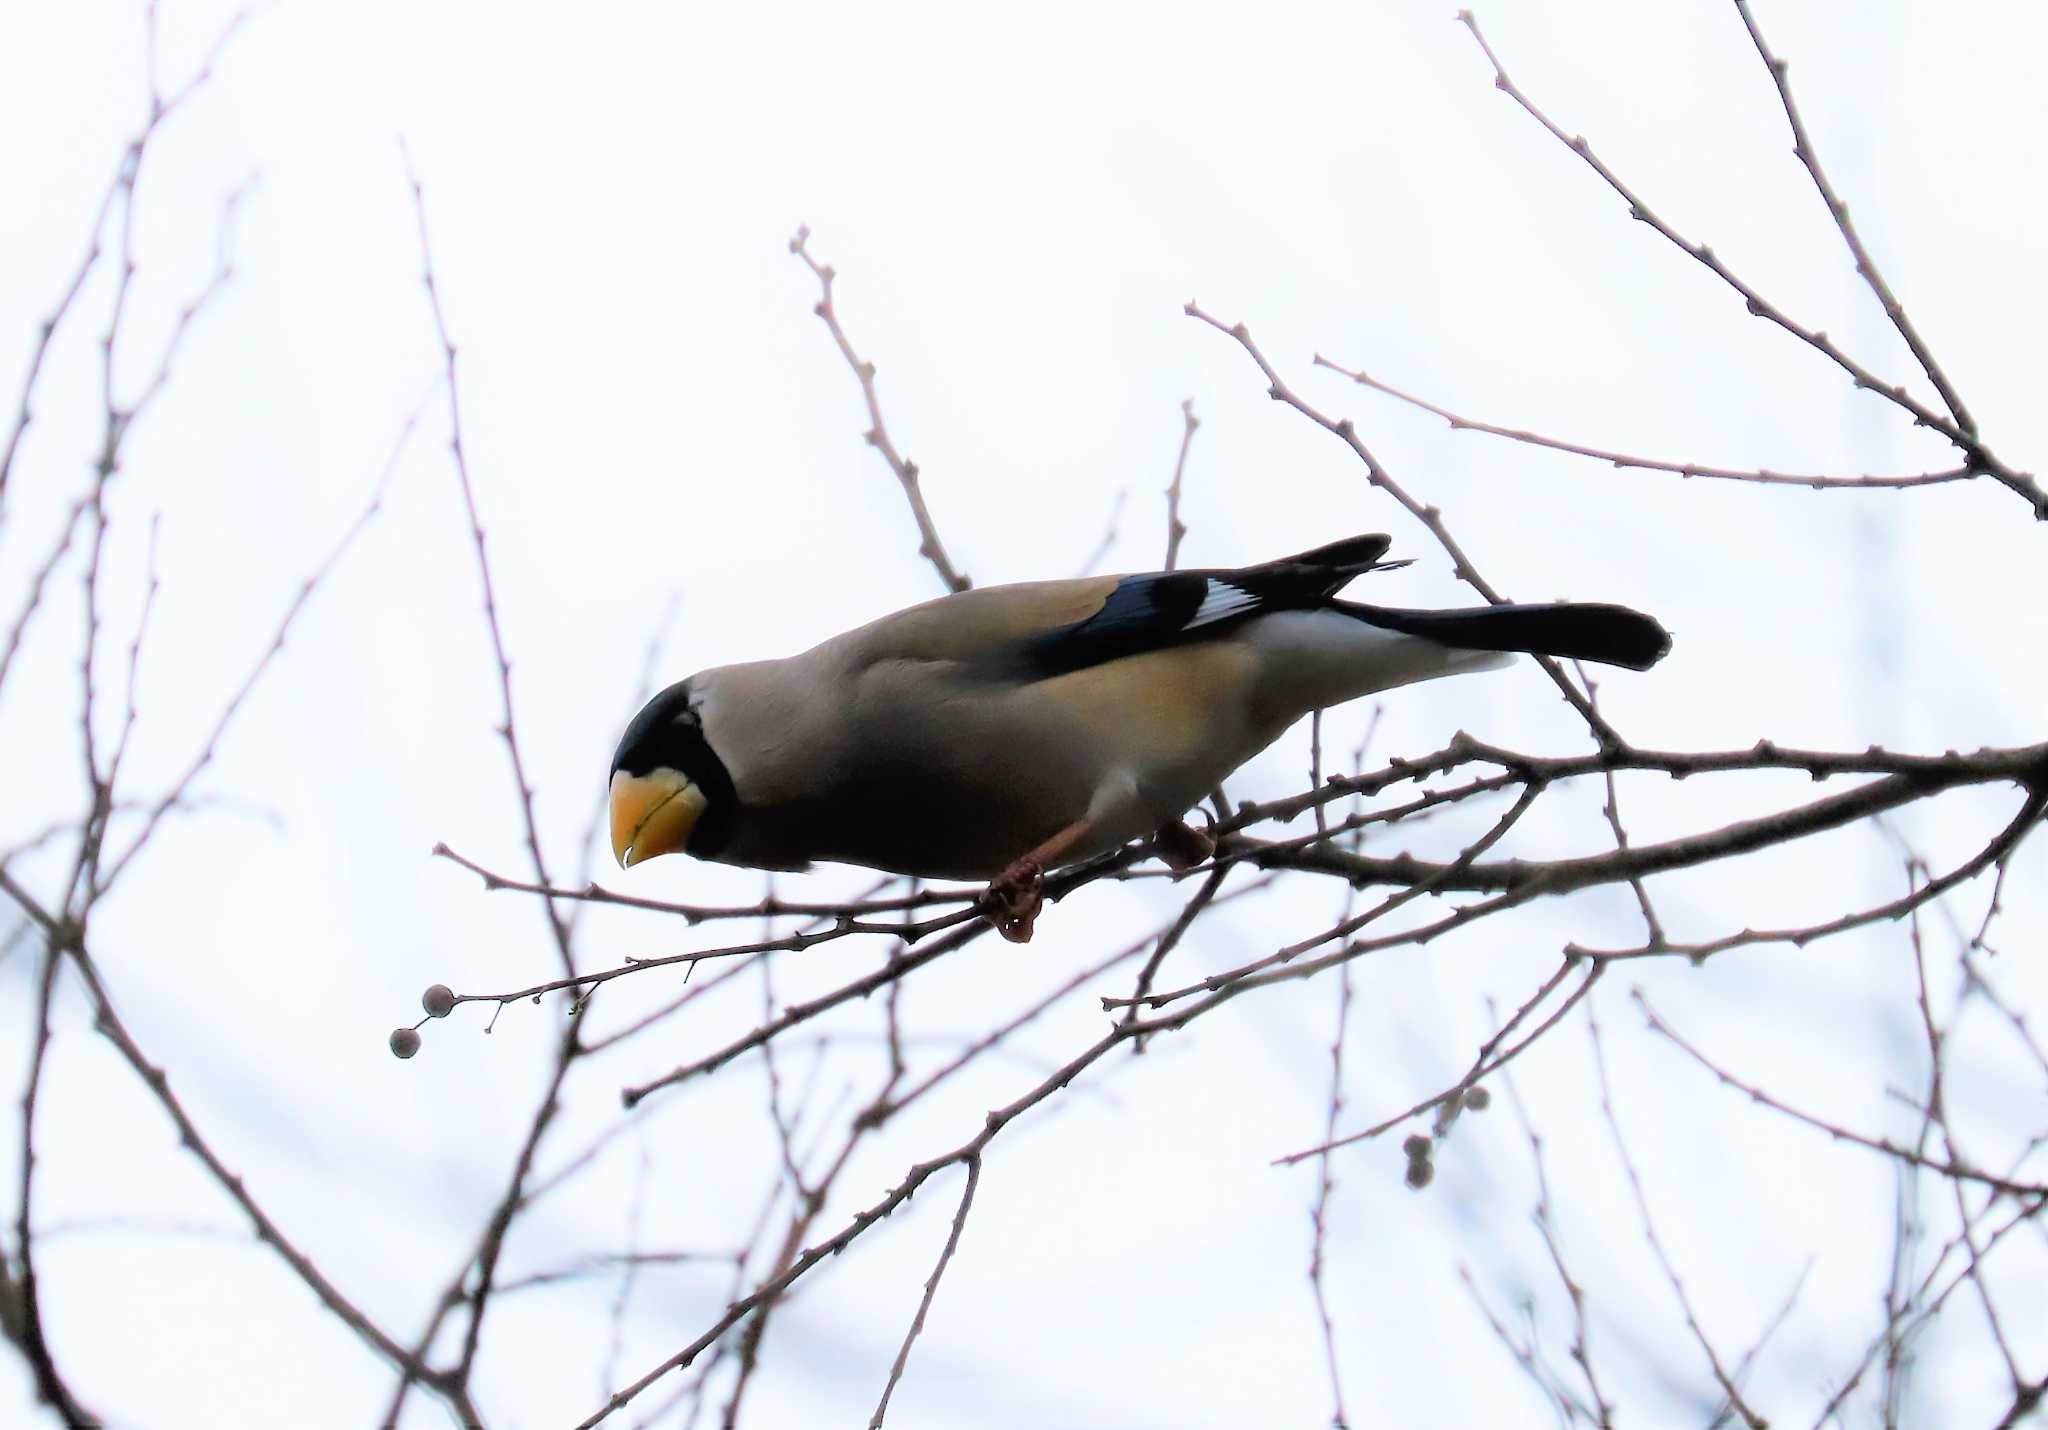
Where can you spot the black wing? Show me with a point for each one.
(1164, 608)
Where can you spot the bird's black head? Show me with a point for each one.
(669, 789)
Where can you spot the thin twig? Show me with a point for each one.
(491, 1244)
(1937, 1114)
(929, 545)
(1762, 476)
(1170, 940)
(1319, 1209)
(1977, 456)
(1612, 810)
(175, 796)
(1562, 1398)
(1883, 1145)
(1802, 148)
(1175, 527)
(798, 1013)
(584, 983)
(1002, 1031)
(34, 600)
(152, 1076)
(1442, 877)
(1546, 1227)
(25, 1326)
(770, 1290)
(1489, 1060)
(47, 329)
(704, 913)
(604, 1263)
(2001, 845)
(1109, 534)
(931, 1289)
(508, 729)
(1429, 516)
(1727, 1382)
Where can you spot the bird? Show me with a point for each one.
(1004, 731)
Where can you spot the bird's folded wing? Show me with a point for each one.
(975, 625)
(1043, 629)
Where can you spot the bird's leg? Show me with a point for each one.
(1015, 895)
(1182, 845)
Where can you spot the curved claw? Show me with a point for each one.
(1014, 898)
(1182, 846)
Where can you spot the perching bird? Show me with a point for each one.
(1004, 731)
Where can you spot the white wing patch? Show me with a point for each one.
(1219, 601)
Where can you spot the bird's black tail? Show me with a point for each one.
(1612, 635)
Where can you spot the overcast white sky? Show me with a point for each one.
(1018, 202)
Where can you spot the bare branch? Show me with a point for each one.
(1635, 861)
(998, 1034)
(65, 942)
(2026, 1190)
(1489, 1060)
(931, 1289)
(121, 188)
(1727, 1382)
(1319, 1209)
(706, 913)
(838, 928)
(1429, 516)
(929, 546)
(1562, 1398)
(1168, 941)
(34, 600)
(602, 1263)
(798, 1013)
(1109, 534)
(47, 329)
(508, 731)
(1444, 876)
(176, 794)
(24, 1322)
(1978, 456)
(1175, 527)
(863, 1220)
(1612, 810)
(1763, 476)
(1802, 148)
(1575, 1294)
(2000, 846)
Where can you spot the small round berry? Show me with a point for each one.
(1417, 1147)
(404, 1042)
(1420, 1172)
(1478, 1099)
(438, 1000)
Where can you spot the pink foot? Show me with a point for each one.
(1183, 846)
(1014, 898)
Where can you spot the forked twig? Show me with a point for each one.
(1978, 457)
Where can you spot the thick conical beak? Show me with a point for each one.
(652, 814)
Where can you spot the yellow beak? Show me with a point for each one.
(652, 814)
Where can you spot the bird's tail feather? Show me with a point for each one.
(1612, 635)
(1358, 552)
(1339, 561)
